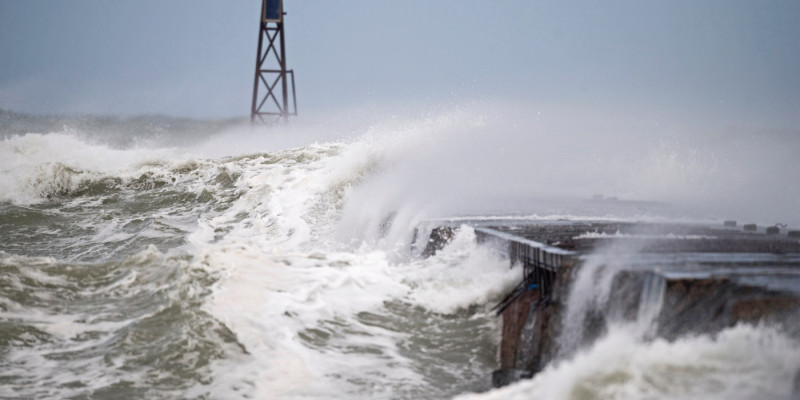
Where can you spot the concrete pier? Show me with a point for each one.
(705, 278)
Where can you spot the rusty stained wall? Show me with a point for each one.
(514, 317)
(531, 325)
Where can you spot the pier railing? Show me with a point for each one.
(540, 262)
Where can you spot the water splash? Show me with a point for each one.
(742, 363)
(651, 300)
(589, 294)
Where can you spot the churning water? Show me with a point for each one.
(161, 258)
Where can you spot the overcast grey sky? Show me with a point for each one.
(196, 57)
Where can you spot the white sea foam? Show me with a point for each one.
(742, 363)
(308, 248)
(269, 299)
(307, 310)
(460, 276)
(291, 292)
(78, 318)
(616, 235)
(37, 165)
(288, 294)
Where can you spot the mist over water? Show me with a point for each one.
(502, 158)
(474, 156)
(165, 258)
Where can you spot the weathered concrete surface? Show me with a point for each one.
(537, 344)
(776, 309)
(514, 317)
(585, 236)
(710, 305)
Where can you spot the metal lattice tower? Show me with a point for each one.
(271, 84)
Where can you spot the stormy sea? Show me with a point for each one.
(165, 258)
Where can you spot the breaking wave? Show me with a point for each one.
(229, 265)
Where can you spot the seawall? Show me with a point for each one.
(672, 279)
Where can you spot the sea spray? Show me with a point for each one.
(589, 293)
(240, 265)
(650, 303)
(339, 320)
(742, 363)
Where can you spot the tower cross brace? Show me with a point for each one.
(271, 82)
